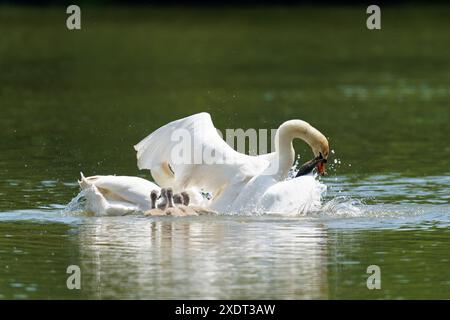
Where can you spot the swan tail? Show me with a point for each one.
(84, 183)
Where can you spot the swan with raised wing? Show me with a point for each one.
(234, 179)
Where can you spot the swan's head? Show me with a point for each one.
(321, 153)
(318, 163)
(177, 199)
(320, 148)
(186, 199)
(313, 137)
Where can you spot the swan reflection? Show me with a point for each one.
(204, 258)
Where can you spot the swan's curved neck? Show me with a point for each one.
(284, 150)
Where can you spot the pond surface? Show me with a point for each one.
(78, 101)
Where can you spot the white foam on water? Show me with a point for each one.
(76, 206)
(342, 206)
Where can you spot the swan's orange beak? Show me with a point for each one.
(321, 168)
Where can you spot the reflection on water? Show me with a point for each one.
(204, 258)
(398, 222)
(320, 256)
(229, 256)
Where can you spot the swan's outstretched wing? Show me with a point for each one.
(190, 152)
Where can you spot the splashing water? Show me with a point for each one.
(284, 199)
(76, 206)
(342, 206)
(339, 206)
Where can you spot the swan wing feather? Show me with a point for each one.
(155, 152)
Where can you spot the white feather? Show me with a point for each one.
(240, 182)
(123, 193)
(155, 153)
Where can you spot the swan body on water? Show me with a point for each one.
(294, 196)
(116, 195)
(244, 184)
(97, 204)
(235, 185)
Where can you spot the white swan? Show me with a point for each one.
(233, 182)
(294, 196)
(116, 195)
